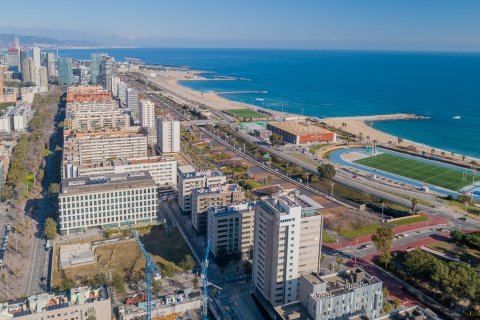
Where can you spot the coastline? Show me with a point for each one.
(170, 79)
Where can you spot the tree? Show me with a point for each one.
(385, 292)
(118, 284)
(330, 267)
(187, 263)
(196, 282)
(443, 154)
(315, 179)
(396, 303)
(268, 180)
(276, 139)
(326, 171)
(339, 261)
(305, 176)
(50, 229)
(432, 151)
(399, 140)
(53, 189)
(463, 157)
(383, 239)
(414, 204)
(247, 267)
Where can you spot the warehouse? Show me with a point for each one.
(300, 132)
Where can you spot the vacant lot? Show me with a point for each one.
(429, 172)
(245, 114)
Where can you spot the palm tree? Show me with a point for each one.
(414, 204)
(452, 154)
(305, 176)
(463, 158)
(399, 140)
(432, 151)
(360, 137)
(443, 154)
(315, 179)
(423, 153)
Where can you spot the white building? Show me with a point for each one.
(51, 65)
(147, 114)
(16, 118)
(36, 57)
(132, 102)
(287, 244)
(107, 201)
(168, 136)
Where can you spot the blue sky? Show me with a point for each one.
(335, 24)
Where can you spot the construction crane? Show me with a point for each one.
(205, 282)
(151, 268)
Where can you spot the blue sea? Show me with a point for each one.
(344, 83)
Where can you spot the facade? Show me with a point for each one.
(77, 303)
(88, 94)
(231, 228)
(168, 136)
(95, 60)
(36, 53)
(106, 72)
(287, 244)
(163, 170)
(83, 118)
(189, 180)
(16, 118)
(107, 201)
(65, 71)
(84, 148)
(42, 80)
(341, 296)
(132, 102)
(147, 114)
(28, 70)
(204, 198)
(51, 65)
(297, 132)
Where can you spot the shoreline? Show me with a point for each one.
(170, 80)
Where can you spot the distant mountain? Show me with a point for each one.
(8, 41)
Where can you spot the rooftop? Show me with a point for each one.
(297, 127)
(51, 301)
(197, 174)
(291, 198)
(107, 182)
(232, 209)
(110, 133)
(217, 189)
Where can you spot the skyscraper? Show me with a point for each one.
(147, 114)
(132, 102)
(168, 136)
(42, 76)
(65, 72)
(28, 70)
(51, 65)
(1, 85)
(17, 42)
(36, 57)
(287, 244)
(95, 60)
(106, 72)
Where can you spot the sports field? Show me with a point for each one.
(245, 114)
(429, 172)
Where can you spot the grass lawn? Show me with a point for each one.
(406, 221)
(368, 229)
(250, 184)
(327, 238)
(432, 173)
(245, 113)
(463, 253)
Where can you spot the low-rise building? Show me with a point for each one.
(204, 198)
(16, 118)
(231, 228)
(298, 132)
(341, 295)
(189, 179)
(77, 303)
(107, 201)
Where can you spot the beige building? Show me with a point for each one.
(231, 227)
(107, 201)
(189, 179)
(287, 244)
(147, 114)
(203, 198)
(78, 303)
(81, 148)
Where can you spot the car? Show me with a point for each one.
(43, 279)
(164, 198)
(47, 245)
(462, 219)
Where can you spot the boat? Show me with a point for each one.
(456, 117)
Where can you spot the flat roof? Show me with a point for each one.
(298, 127)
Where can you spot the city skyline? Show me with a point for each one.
(369, 25)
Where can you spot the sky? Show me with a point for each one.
(314, 24)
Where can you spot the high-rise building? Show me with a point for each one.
(1, 85)
(36, 52)
(17, 42)
(168, 136)
(51, 65)
(42, 76)
(65, 72)
(13, 60)
(95, 60)
(132, 102)
(106, 72)
(287, 244)
(28, 73)
(147, 114)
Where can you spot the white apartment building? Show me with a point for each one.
(84, 148)
(189, 179)
(168, 136)
(147, 114)
(231, 228)
(163, 170)
(132, 102)
(107, 201)
(96, 120)
(287, 244)
(16, 118)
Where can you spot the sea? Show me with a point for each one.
(324, 83)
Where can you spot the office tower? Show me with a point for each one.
(287, 244)
(42, 76)
(132, 102)
(147, 114)
(51, 65)
(28, 73)
(13, 60)
(122, 92)
(106, 72)
(36, 52)
(168, 136)
(17, 42)
(1, 85)
(189, 179)
(65, 72)
(95, 60)
(84, 75)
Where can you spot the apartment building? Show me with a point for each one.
(84, 148)
(189, 179)
(231, 228)
(341, 296)
(168, 136)
(88, 94)
(4, 164)
(147, 114)
(107, 201)
(214, 195)
(163, 170)
(132, 102)
(16, 118)
(287, 244)
(77, 303)
(86, 120)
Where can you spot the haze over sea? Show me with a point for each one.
(344, 83)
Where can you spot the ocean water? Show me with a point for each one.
(344, 83)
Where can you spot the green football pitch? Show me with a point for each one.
(245, 113)
(429, 172)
